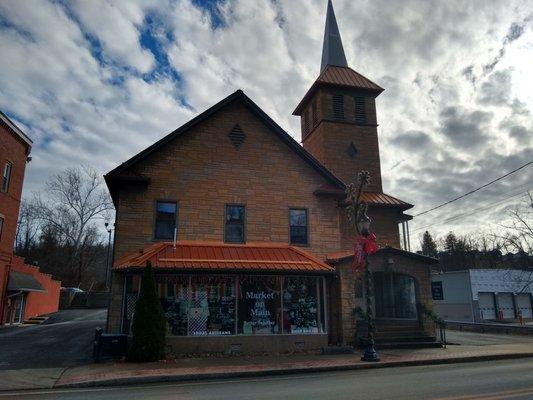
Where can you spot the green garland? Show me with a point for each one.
(431, 315)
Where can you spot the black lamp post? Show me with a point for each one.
(370, 353)
(107, 275)
(356, 211)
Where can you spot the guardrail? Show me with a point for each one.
(484, 327)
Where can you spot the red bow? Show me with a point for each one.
(364, 245)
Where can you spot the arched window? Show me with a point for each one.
(395, 295)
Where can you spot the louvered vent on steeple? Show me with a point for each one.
(360, 113)
(338, 106)
(237, 136)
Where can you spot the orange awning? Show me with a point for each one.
(219, 257)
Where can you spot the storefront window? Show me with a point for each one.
(174, 295)
(259, 305)
(301, 306)
(133, 285)
(212, 307)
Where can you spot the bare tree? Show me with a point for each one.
(74, 199)
(28, 228)
(519, 232)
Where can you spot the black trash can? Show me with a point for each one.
(109, 346)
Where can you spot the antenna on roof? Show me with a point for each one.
(175, 234)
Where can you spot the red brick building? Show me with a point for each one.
(246, 230)
(24, 291)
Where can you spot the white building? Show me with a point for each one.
(483, 294)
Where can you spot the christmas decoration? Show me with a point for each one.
(364, 245)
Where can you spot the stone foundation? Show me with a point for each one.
(272, 344)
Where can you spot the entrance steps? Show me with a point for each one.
(35, 320)
(398, 335)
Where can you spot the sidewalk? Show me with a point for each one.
(232, 367)
(186, 369)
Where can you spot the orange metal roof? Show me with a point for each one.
(216, 256)
(383, 199)
(377, 198)
(345, 76)
(334, 258)
(339, 76)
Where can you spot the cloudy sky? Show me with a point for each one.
(96, 81)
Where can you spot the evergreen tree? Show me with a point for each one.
(429, 247)
(450, 243)
(149, 324)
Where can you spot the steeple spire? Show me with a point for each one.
(332, 51)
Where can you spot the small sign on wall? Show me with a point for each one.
(436, 290)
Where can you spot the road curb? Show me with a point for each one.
(131, 380)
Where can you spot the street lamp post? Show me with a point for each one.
(370, 353)
(107, 274)
(357, 213)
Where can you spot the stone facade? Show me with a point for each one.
(328, 138)
(203, 171)
(384, 225)
(350, 291)
(259, 344)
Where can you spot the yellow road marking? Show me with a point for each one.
(507, 394)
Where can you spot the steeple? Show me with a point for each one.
(338, 114)
(332, 50)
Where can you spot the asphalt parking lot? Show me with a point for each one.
(64, 340)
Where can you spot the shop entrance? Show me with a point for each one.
(395, 296)
(15, 308)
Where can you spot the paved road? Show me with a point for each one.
(473, 381)
(63, 340)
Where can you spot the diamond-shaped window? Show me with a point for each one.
(237, 136)
(351, 151)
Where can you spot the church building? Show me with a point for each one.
(246, 228)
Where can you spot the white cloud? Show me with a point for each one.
(101, 106)
(115, 24)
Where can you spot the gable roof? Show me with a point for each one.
(119, 172)
(340, 77)
(16, 130)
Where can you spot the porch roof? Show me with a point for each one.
(334, 258)
(19, 281)
(222, 257)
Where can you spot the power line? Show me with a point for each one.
(516, 192)
(475, 190)
(475, 211)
